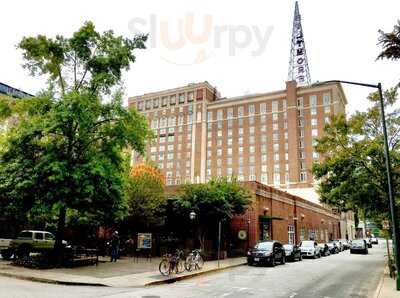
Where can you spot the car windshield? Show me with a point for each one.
(264, 246)
(288, 246)
(358, 242)
(307, 243)
(49, 236)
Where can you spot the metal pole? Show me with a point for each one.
(219, 240)
(393, 211)
(248, 234)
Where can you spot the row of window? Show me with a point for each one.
(174, 120)
(275, 108)
(326, 100)
(276, 178)
(276, 105)
(164, 101)
(251, 110)
(315, 234)
(251, 159)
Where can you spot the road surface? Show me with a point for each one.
(336, 276)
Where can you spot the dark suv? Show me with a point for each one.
(266, 252)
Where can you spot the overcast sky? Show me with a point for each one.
(244, 47)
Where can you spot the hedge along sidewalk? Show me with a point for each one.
(119, 274)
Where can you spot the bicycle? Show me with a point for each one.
(172, 263)
(194, 261)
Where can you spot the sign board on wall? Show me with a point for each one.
(242, 234)
(144, 241)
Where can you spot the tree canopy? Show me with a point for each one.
(390, 43)
(217, 200)
(353, 173)
(88, 60)
(64, 152)
(145, 196)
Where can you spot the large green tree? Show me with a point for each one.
(217, 200)
(145, 197)
(64, 153)
(353, 174)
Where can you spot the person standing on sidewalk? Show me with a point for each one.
(114, 246)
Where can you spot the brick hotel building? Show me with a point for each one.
(265, 137)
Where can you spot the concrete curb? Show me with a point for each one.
(99, 284)
(194, 274)
(379, 287)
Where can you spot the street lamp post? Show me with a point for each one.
(395, 227)
(192, 216)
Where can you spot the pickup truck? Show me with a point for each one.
(27, 241)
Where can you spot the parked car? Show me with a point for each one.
(266, 252)
(338, 244)
(309, 248)
(27, 241)
(369, 243)
(345, 244)
(324, 249)
(292, 252)
(333, 248)
(374, 240)
(359, 246)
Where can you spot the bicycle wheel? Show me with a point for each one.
(179, 266)
(189, 264)
(164, 267)
(199, 261)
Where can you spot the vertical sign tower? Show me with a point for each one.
(298, 63)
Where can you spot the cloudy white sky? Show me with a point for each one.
(341, 41)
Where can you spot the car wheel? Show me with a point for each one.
(23, 251)
(273, 261)
(315, 256)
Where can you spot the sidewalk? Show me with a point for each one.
(387, 287)
(124, 273)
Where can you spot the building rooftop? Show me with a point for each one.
(13, 92)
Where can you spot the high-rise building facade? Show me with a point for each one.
(266, 137)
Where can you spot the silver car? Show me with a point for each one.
(359, 246)
(310, 248)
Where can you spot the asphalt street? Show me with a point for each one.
(336, 276)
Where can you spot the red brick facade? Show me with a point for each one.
(273, 212)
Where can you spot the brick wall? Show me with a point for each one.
(283, 209)
(280, 209)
